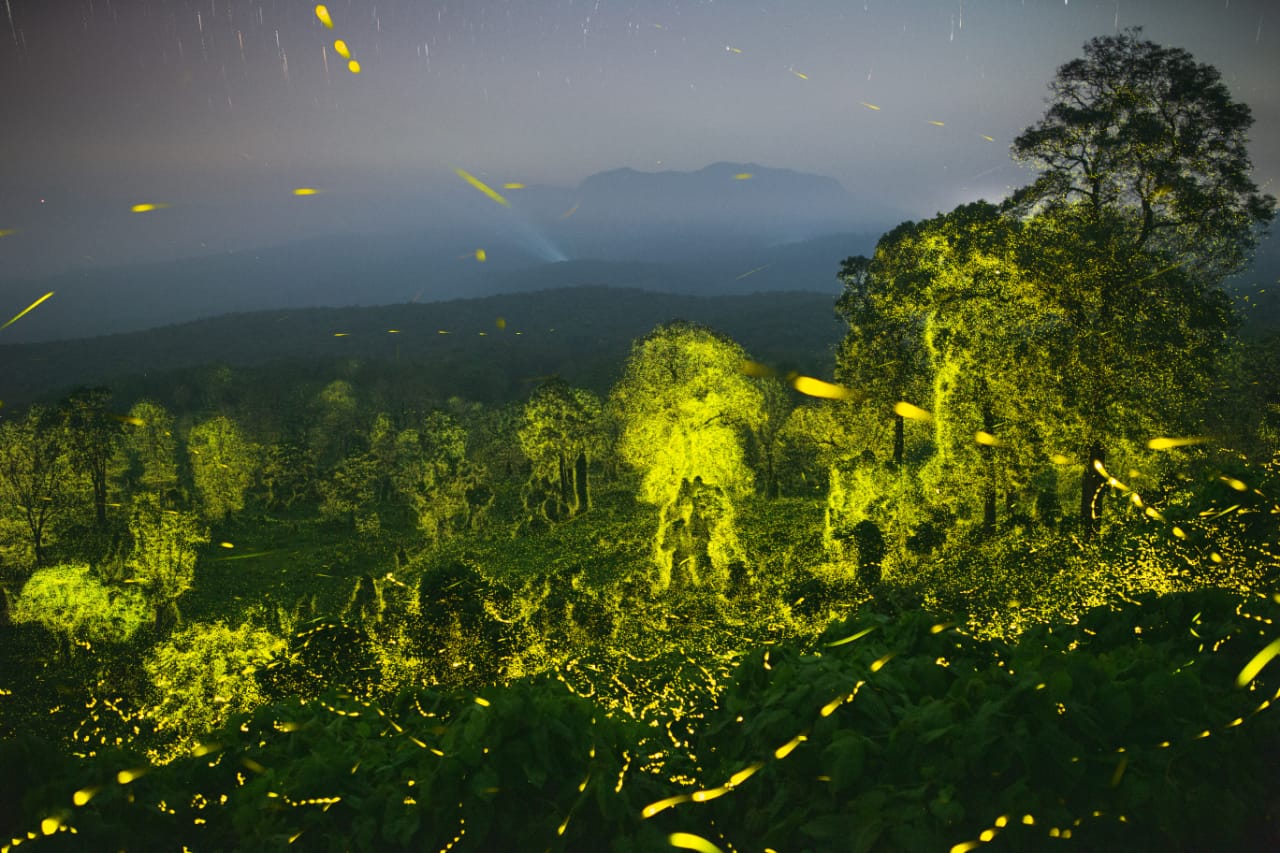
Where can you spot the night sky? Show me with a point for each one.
(219, 109)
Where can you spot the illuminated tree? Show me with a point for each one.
(334, 434)
(37, 481)
(559, 433)
(288, 473)
(151, 450)
(882, 356)
(350, 491)
(685, 406)
(76, 607)
(766, 448)
(163, 558)
(988, 335)
(223, 464)
(206, 673)
(1143, 206)
(440, 483)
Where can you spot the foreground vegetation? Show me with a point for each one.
(1012, 580)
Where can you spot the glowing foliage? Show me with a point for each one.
(223, 463)
(150, 450)
(165, 547)
(560, 433)
(74, 605)
(685, 408)
(443, 486)
(206, 673)
(36, 480)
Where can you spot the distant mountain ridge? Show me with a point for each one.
(725, 228)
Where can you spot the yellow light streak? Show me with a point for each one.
(147, 207)
(857, 636)
(653, 808)
(353, 67)
(878, 664)
(911, 412)
(340, 47)
(1165, 443)
(84, 795)
(869, 106)
(513, 185)
(811, 387)
(744, 774)
(484, 188)
(1254, 666)
(743, 176)
(789, 747)
(323, 14)
(689, 841)
(27, 310)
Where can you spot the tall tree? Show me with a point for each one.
(1146, 205)
(151, 450)
(37, 481)
(1147, 135)
(882, 357)
(559, 433)
(163, 558)
(93, 436)
(686, 407)
(443, 487)
(223, 464)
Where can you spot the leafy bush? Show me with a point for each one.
(73, 604)
(204, 674)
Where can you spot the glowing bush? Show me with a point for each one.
(78, 608)
(206, 673)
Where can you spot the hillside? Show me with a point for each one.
(581, 333)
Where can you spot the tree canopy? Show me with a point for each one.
(686, 406)
(1146, 133)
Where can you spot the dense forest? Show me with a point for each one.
(1007, 578)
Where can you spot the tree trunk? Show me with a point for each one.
(989, 497)
(1091, 485)
(899, 439)
(566, 486)
(100, 499)
(580, 486)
